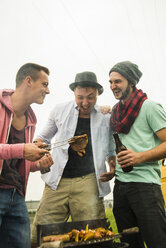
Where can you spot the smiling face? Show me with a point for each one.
(85, 99)
(120, 86)
(40, 88)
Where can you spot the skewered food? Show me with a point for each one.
(83, 235)
(97, 235)
(63, 237)
(54, 244)
(79, 143)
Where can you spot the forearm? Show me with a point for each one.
(105, 177)
(49, 130)
(10, 151)
(34, 167)
(130, 157)
(154, 154)
(28, 151)
(111, 162)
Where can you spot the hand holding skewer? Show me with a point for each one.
(77, 143)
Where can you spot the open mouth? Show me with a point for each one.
(116, 92)
(85, 109)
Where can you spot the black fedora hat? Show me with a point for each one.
(86, 79)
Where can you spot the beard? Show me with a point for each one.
(125, 93)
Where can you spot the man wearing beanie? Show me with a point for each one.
(141, 125)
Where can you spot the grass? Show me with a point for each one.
(31, 216)
(110, 217)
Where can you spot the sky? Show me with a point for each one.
(72, 36)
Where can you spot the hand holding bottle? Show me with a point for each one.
(129, 158)
(122, 151)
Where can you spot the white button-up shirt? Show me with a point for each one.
(61, 125)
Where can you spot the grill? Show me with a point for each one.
(65, 227)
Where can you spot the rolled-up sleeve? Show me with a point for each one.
(111, 146)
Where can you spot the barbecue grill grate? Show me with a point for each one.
(61, 228)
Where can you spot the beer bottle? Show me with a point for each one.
(120, 147)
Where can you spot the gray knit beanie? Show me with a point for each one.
(128, 70)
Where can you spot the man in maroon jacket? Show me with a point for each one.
(18, 153)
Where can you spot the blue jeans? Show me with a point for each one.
(142, 205)
(14, 220)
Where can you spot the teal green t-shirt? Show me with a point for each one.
(142, 137)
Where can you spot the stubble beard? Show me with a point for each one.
(125, 93)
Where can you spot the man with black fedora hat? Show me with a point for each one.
(87, 79)
(141, 124)
(76, 185)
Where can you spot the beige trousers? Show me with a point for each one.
(77, 197)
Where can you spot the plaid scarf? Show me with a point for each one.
(124, 115)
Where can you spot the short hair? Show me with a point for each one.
(29, 69)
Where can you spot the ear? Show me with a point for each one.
(28, 81)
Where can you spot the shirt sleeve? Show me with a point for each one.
(33, 166)
(9, 151)
(156, 117)
(49, 129)
(111, 146)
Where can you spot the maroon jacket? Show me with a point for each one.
(15, 150)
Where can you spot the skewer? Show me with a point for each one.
(60, 145)
(66, 140)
